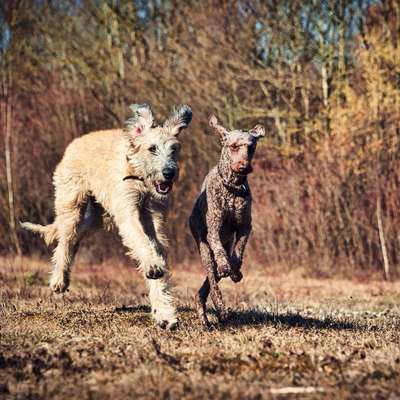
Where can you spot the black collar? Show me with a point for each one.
(238, 190)
(134, 177)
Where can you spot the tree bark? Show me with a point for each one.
(382, 237)
(7, 121)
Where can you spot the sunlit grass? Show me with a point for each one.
(289, 335)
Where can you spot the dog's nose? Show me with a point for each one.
(168, 173)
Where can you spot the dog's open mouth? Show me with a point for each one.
(164, 187)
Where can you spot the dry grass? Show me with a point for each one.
(290, 337)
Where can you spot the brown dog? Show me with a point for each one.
(221, 218)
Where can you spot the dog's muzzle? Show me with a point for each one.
(243, 170)
(164, 187)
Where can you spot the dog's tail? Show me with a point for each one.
(47, 232)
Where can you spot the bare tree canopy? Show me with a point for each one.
(322, 77)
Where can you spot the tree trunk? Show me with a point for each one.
(7, 120)
(325, 97)
(382, 236)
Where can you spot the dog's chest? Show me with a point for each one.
(237, 209)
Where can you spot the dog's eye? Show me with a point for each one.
(153, 149)
(174, 150)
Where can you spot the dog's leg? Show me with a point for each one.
(138, 234)
(214, 225)
(162, 303)
(69, 215)
(235, 273)
(242, 236)
(216, 295)
(158, 214)
(201, 301)
(202, 295)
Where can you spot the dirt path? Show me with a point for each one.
(289, 337)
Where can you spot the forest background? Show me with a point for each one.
(322, 76)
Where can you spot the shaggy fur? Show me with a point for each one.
(221, 218)
(123, 176)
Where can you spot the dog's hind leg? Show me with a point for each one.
(91, 219)
(201, 302)
(216, 295)
(70, 211)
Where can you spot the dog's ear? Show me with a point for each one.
(258, 131)
(179, 119)
(222, 132)
(142, 119)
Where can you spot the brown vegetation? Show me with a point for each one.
(289, 334)
(323, 79)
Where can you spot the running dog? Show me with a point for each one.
(124, 176)
(221, 218)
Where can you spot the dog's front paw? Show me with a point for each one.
(168, 325)
(166, 318)
(224, 271)
(155, 272)
(236, 275)
(59, 282)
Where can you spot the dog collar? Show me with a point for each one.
(239, 190)
(134, 177)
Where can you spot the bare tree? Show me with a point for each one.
(6, 118)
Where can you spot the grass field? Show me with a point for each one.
(289, 337)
